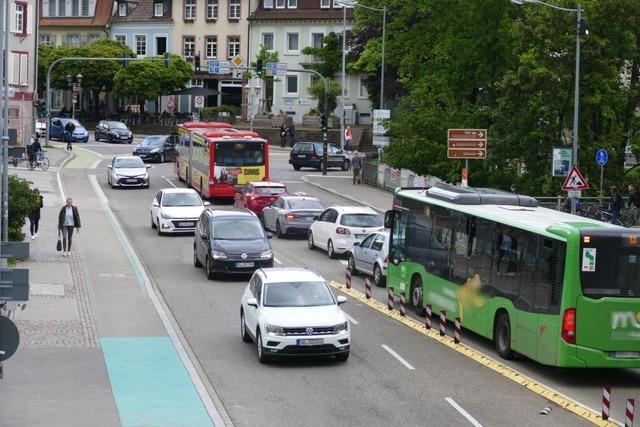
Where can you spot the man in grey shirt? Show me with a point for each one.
(356, 166)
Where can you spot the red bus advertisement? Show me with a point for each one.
(184, 138)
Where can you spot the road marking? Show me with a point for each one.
(59, 175)
(344, 262)
(277, 261)
(291, 182)
(351, 319)
(169, 181)
(95, 164)
(397, 356)
(464, 413)
(563, 401)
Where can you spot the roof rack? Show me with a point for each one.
(478, 196)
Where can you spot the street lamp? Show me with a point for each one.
(76, 85)
(352, 4)
(581, 30)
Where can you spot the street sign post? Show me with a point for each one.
(199, 101)
(276, 69)
(575, 181)
(466, 144)
(14, 284)
(237, 60)
(219, 67)
(602, 157)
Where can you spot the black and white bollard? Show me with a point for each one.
(628, 417)
(403, 303)
(606, 402)
(348, 277)
(390, 301)
(443, 323)
(428, 316)
(367, 288)
(456, 331)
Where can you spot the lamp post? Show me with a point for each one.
(581, 30)
(76, 85)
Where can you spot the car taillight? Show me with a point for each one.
(569, 326)
(290, 216)
(342, 230)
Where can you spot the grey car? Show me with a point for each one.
(291, 214)
(128, 171)
(370, 256)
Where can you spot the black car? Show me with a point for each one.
(156, 148)
(309, 154)
(112, 132)
(231, 242)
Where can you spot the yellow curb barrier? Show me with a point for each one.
(481, 358)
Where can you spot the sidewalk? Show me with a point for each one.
(342, 185)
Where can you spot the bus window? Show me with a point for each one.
(506, 274)
(481, 256)
(397, 250)
(441, 240)
(462, 236)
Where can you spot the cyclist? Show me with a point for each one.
(33, 150)
(616, 204)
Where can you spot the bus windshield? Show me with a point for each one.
(239, 153)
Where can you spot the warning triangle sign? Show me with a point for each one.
(575, 181)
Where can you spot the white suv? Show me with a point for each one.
(339, 227)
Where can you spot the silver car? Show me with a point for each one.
(128, 171)
(291, 214)
(370, 256)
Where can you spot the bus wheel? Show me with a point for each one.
(502, 336)
(416, 297)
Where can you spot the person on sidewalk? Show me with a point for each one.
(68, 131)
(634, 203)
(616, 204)
(356, 165)
(283, 134)
(34, 216)
(68, 219)
(292, 135)
(348, 138)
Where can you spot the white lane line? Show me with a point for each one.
(278, 261)
(291, 182)
(397, 356)
(351, 319)
(95, 164)
(464, 413)
(169, 181)
(344, 262)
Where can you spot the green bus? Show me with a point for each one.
(557, 288)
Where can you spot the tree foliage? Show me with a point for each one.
(22, 201)
(329, 64)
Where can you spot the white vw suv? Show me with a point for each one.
(338, 227)
(292, 312)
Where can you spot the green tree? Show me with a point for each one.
(330, 55)
(21, 202)
(263, 57)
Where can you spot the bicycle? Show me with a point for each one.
(40, 161)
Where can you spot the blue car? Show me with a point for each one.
(56, 130)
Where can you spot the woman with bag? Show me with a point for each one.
(68, 219)
(34, 216)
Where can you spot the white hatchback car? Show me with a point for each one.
(176, 210)
(128, 171)
(292, 312)
(370, 256)
(339, 227)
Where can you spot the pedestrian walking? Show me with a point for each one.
(68, 131)
(68, 219)
(634, 203)
(348, 137)
(292, 135)
(283, 134)
(34, 216)
(616, 204)
(356, 166)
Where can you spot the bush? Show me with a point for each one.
(212, 112)
(21, 203)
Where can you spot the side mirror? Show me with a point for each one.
(389, 218)
(109, 167)
(207, 204)
(356, 243)
(148, 166)
(252, 302)
(341, 299)
(203, 236)
(269, 234)
(155, 203)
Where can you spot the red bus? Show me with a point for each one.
(184, 137)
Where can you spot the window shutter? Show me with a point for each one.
(29, 19)
(12, 18)
(45, 8)
(24, 70)
(11, 68)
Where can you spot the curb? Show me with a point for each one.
(337, 193)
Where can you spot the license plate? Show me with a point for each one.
(244, 264)
(131, 180)
(302, 156)
(185, 224)
(361, 236)
(626, 354)
(313, 341)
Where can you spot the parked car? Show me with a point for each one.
(41, 129)
(291, 214)
(258, 194)
(176, 210)
(113, 132)
(57, 125)
(128, 171)
(231, 242)
(309, 155)
(157, 148)
(339, 227)
(292, 312)
(370, 256)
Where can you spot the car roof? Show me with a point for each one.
(126, 157)
(226, 213)
(298, 197)
(353, 209)
(288, 274)
(266, 184)
(114, 121)
(178, 190)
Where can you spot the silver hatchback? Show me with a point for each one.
(370, 256)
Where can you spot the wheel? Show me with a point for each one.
(351, 262)
(378, 278)
(279, 233)
(95, 137)
(262, 357)
(417, 296)
(153, 224)
(310, 243)
(296, 168)
(502, 336)
(342, 357)
(158, 227)
(109, 139)
(330, 251)
(196, 261)
(162, 159)
(243, 328)
(211, 275)
(345, 165)
(130, 141)
(44, 164)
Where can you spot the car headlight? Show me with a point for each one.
(218, 254)
(341, 328)
(155, 150)
(266, 254)
(165, 215)
(130, 134)
(274, 330)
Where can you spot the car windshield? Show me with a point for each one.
(297, 294)
(239, 153)
(152, 141)
(181, 199)
(361, 220)
(75, 123)
(237, 229)
(133, 162)
(268, 191)
(305, 204)
(117, 125)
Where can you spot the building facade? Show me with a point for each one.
(288, 26)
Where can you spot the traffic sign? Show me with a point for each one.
(9, 338)
(467, 143)
(276, 69)
(14, 284)
(237, 60)
(199, 101)
(602, 157)
(219, 67)
(575, 180)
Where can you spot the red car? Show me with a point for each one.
(256, 195)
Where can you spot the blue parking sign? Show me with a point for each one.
(602, 157)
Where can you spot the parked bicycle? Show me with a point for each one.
(41, 161)
(604, 214)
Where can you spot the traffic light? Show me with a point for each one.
(166, 59)
(197, 63)
(324, 126)
(259, 70)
